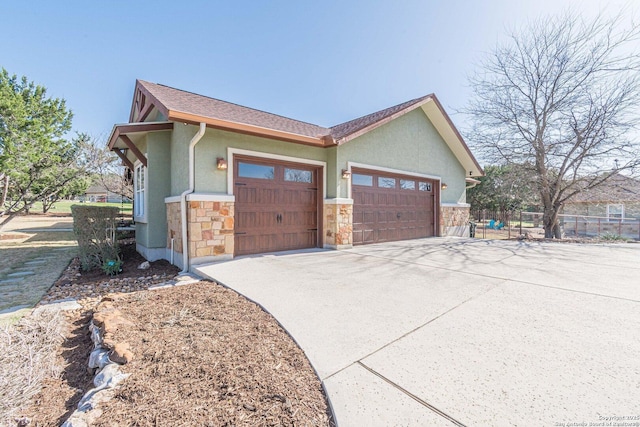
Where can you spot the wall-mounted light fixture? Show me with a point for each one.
(443, 186)
(346, 174)
(221, 164)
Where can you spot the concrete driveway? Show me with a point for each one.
(446, 331)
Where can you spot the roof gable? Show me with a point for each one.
(356, 127)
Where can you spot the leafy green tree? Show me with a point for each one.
(504, 188)
(36, 161)
(562, 95)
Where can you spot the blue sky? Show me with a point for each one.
(324, 62)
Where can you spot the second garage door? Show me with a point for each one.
(389, 207)
(276, 206)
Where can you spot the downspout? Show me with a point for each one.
(183, 196)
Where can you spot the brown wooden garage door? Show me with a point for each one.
(276, 206)
(389, 207)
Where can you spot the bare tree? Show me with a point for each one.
(563, 96)
(107, 168)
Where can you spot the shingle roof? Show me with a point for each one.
(188, 102)
(181, 106)
(352, 126)
(618, 188)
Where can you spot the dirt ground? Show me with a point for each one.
(204, 355)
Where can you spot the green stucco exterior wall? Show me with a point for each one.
(214, 144)
(409, 143)
(159, 177)
(156, 147)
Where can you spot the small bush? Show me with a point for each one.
(610, 237)
(112, 267)
(95, 230)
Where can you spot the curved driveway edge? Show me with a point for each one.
(447, 331)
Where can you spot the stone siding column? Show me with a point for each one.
(338, 224)
(454, 221)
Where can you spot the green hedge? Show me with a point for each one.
(95, 230)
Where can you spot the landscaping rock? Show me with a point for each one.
(99, 358)
(144, 266)
(121, 354)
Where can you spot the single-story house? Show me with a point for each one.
(99, 193)
(615, 199)
(214, 180)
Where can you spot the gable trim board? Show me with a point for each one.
(393, 142)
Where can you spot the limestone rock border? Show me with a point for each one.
(108, 356)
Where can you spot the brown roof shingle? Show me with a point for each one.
(352, 126)
(188, 102)
(204, 106)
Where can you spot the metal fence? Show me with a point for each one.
(513, 224)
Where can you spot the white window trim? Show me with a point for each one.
(609, 205)
(142, 218)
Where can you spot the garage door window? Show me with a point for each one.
(384, 182)
(406, 184)
(298, 175)
(250, 170)
(425, 186)
(359, 179)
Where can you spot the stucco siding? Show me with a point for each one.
(214, 144)
(409, 143)
(142, 234)
(159, 187)
(180, 138)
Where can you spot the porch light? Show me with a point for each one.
(443, 186)
(221, 164)
(346, 174)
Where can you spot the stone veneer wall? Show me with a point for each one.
(454, 221)
(338, 228)
(174, 230)
(210, 227)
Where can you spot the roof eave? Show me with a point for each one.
(382, 122)
(121, 132)
(317, 141)
(128, 128)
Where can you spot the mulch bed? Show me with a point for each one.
(204, 355)
(60, 396)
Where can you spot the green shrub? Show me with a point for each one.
(610, 237)
(112, 266)
(95, 230)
